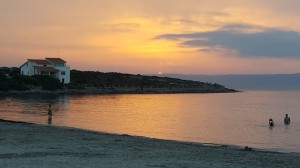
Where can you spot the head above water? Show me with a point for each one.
(271, 122)
(286, 115)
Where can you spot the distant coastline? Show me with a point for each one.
(248, 81)
(94, 82)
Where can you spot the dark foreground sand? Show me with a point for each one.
(30, 145)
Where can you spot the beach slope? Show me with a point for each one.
(31, 145)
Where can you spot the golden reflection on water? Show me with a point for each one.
(239, 119)
(128, 114)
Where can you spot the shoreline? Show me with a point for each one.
(118, 91)
(33, 145)
(150, 138)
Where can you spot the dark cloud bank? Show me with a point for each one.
(264, 42)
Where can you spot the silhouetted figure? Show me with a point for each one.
(49, 110)
(271, 122)
(247, 148)
(287, 119)
(49, 119)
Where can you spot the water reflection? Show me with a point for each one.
(239, 119)
(33, 108)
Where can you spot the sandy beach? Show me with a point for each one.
(31, 145)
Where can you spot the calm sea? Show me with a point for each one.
(231, 118)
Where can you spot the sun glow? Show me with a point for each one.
(154, 47)
(122, 36)
(136, 37)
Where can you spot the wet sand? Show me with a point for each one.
(31, 145)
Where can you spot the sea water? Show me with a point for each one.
(239, 119)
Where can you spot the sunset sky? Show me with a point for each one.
(155, 36)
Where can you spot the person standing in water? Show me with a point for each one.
(287, 119)
(49, 110)
(49, 115)
(271, 122)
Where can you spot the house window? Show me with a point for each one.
(22, 72)
(59, 64)
(63, 73)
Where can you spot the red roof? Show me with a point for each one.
(40, 61)
(56, 60)
(45, 69)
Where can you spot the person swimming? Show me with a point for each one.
(271, 122)
(287, 119)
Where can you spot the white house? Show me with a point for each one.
(55, 67)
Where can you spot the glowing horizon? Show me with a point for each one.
(151, 37)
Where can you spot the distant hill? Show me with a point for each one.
(101, 82)
(248, 82)
(141, 83)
